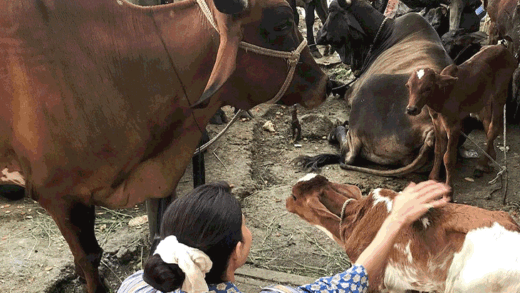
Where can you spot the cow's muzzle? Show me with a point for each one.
(412, 110)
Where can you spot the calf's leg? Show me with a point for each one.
(492, 126)
(450, 157)
(440, 146)
(76, 223)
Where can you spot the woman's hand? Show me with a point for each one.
(416, 199)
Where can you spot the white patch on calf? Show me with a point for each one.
(378, 199)
(408, 252)
(489, 261)
(420, 73)
(307, 177)
(325, 231)
(12, 177)
(400, 278)
(425, 222)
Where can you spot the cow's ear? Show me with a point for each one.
(230, 38)
(446, 80)
(352, 21)
(348, 190)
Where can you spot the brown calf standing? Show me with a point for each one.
(433, 254)
(478, 85)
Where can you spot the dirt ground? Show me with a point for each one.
(258, 162)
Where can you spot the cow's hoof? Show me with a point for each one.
(315, 52)
(328, 51)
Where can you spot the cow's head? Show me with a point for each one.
(244, 78)
(438, 19)
(319, 202)
(343, 31)
(424, 85)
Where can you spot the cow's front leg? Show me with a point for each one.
(456, 7)
(76, 222)
(450, 157)
(440, 145)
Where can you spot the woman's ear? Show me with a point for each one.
(238, 251)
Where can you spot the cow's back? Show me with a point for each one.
(379, 97)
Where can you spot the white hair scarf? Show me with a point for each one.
(192, 261)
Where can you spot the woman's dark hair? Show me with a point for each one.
(208, 218)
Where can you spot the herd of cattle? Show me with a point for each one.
(105, 101)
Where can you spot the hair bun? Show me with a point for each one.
(162, 276)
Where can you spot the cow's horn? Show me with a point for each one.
(231, 6)
(344, 3)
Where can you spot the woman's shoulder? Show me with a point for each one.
(135, 283)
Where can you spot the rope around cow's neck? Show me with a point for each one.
(342, 214)
(365, 62)
(503, 169)
(292, 61)
(292, 57)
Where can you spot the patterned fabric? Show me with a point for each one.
(353, 280)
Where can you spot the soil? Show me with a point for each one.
(259, 163)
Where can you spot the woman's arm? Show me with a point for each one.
(409, 206)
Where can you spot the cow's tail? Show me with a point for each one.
(418, 162)
(315, 162)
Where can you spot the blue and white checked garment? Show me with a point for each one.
(353, 280)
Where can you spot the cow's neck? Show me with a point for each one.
(369, 18)
(361, 224)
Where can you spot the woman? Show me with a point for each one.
(205, 239)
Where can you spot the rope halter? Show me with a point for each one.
(292, 57)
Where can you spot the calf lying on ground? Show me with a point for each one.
(478, 85)
(429, 254)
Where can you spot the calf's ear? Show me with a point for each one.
(446, 80)
(450, 70)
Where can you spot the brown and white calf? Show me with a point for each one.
(451, 249)
(478, 85)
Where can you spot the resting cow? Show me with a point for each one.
(104, 102)
(453, 247)
(478, 85)
(386, 51)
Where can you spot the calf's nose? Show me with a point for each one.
(412, 110)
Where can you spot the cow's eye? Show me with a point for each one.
(283, 26)
(293, 197)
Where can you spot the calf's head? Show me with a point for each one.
(344, 33)
(319, 202)
(243, 76)
(424, 85)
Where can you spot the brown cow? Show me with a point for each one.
(504, 18)
(432, 254)
(104, 102)
(478, 85)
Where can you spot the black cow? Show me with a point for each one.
(383, 52)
